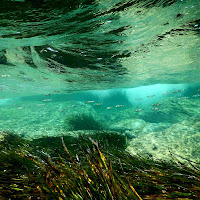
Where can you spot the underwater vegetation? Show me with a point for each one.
(83, 121)
(91, 177)
(99, 99)
(89, 171)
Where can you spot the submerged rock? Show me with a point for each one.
(129, 124)
(172, 111)
(181, 140)
(136, 127)
(155, 127)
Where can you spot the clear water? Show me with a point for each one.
(133, 66)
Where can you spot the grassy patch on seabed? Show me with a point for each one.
(83, 121)
(82, 168)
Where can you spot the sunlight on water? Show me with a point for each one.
(117, 43)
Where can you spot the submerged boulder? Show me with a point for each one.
(136, 127)
(171, 111)
(128, 124)
(181, 140)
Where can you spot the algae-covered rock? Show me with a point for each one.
(171, 111)
(129, 124)
(181, 140)
(136, 127)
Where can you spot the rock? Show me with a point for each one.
(155, 127)
(129, 124)
(181, 140)
(171, 111)
(130, 134)
(137, 127)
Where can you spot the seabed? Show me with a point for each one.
(90, 166)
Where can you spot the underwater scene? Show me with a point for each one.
(100, 99)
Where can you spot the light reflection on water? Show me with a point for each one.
(97, 45)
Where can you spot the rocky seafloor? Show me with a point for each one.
(172, 125)
(151, 152)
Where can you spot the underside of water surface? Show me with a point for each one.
(129, 67)
(50, 46)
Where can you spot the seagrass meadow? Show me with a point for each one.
(99, 99)
(87, 169)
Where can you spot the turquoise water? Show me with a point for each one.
(131, 66)
(154, 118)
